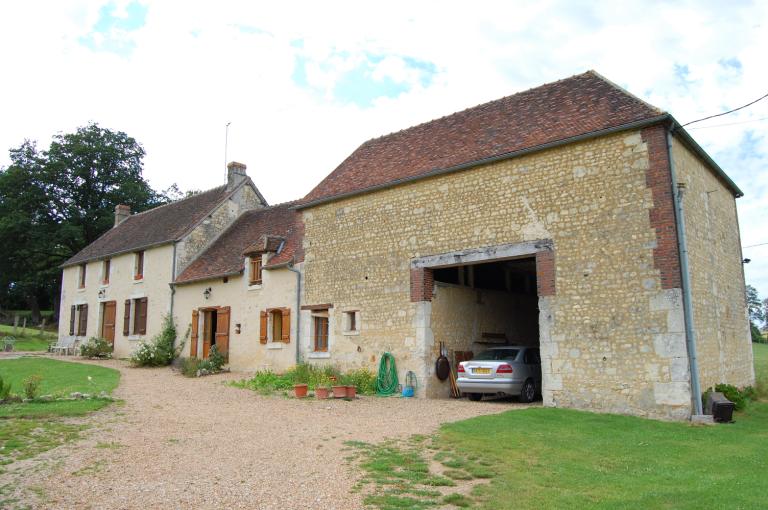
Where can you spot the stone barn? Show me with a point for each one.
(573, 216)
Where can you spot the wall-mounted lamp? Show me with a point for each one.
(207, 293)
(102, 293)
(746, 261)
(237, 328)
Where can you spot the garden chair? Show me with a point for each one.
(63, 345)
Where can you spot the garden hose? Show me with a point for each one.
(386, 380)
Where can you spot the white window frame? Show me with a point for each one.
(347, 315)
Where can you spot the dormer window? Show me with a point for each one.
(255, 270)
(138, 271)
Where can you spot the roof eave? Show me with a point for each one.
(115, 254)
(493, 159)
(208, 277)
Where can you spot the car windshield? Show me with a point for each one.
(497, 355)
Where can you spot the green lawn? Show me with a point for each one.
(29, 429)
(28, 339)
(559, 458)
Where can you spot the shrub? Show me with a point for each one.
(5, 390)
(96, 348)
(757, 336)
(266, 382)
(189, 367)
(213, 364)
(363, 379)
(161, 350)
(739, 397)
(32, 386)
(8, 343)
(313, 375)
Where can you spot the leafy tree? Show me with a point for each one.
(757, 311)
(54, 203)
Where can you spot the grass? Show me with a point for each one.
(560, 458)
(29, 429)
(760, 352)
(28, 339)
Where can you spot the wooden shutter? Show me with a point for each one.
(72, 311)
(263, 327)
(222, 330)
(142, 316)
(193, 341)
(286, 325)
(82, 327)
(127, 318)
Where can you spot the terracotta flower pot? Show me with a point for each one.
(300, 390)
(321, 393)
(339, 391)
(351, 391)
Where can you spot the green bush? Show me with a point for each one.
(739, 397)
(757, 336)
(266, 382)
(32, 386)
(363, 379)
(189, 367)
(215, 361)
(5, 390)
(96, 348)
(161, 350)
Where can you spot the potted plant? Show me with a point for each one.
(339, 391)
(300, 390)
(322, 388)
(351, 391)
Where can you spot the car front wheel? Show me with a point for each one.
(475, 396)
(528, 393)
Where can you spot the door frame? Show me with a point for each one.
(104, 305)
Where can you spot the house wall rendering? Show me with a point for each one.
(122, 286)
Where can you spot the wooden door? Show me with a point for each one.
(193, 336)
(207, 332)
(222, 331)
(109, 311)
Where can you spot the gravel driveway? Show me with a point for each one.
(199, 443)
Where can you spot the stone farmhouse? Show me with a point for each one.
(572, 216)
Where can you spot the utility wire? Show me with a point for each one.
(726, 113)
(730, 123)
(753, 246)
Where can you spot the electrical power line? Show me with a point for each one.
(730, 124)
(753, 246)
(726, 113)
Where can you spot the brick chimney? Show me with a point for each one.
(235, 174)
(121, 213)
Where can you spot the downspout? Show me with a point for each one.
(690, 332)
(298, 309)
(171, 285)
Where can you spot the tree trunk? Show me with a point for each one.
(34, 307)
(56, 301)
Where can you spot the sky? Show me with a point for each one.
(303, 84)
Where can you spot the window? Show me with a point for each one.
(136, 308)
(352, 321)
(81, 283)
(275, 325)
(105, 272)
(78, 320)
(320, 333)
(255, 273)
(138, 272)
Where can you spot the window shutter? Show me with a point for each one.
(72, 311)
(222, 330)
(82, 327)
(286, 325)
(127, 318)
(193, 342)
(142, 316)
(263, 327)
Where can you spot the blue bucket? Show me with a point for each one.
(408, 391)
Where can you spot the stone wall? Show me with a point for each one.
(211, 228)
(724, 348)
(612, 337)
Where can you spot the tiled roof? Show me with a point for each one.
(578, 105)
(156, 226)
(225, 255)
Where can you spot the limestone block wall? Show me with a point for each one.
(611, 334)
(158, 262)
(246, 353)
(243, 199)
(724, 348)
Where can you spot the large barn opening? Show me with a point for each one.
(484, 306)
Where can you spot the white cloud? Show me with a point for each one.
(192, 69)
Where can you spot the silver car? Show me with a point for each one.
(509, 370)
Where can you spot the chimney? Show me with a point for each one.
(235, 174)
(121, 213)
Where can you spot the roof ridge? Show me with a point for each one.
(174, 202)
(625, 91)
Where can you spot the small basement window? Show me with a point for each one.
(351, 322)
